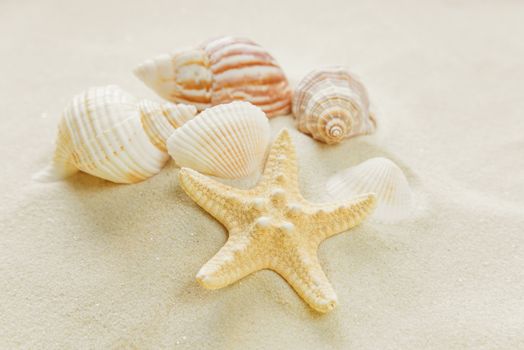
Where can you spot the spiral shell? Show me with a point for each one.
(330, 104)
(382, 177)
(219, 71)
(107, 133)
(228, 141)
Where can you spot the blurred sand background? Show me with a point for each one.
(89, 264)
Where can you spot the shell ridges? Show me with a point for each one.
(108, 133)
(228, 141)
(221, 70)
(331, 104)
(382, 177)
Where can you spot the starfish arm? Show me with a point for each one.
(327, 220)
(221, 201)
(304, 273)
(235, 260)
(281, 166)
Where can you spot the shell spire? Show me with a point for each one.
(220, 71)
(183, 77)
(334, 128)
(107, 133)
(330, 104)
(160, 121)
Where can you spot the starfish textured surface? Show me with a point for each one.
(271, 226)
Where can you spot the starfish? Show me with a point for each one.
(271, 226)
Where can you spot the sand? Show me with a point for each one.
(89, 264)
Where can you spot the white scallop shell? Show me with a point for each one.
(382, 177)
(219, 71)
(331, 104)
(228, 140)
(108, 133)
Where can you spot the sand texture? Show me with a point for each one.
(89, 264)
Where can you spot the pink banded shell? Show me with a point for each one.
(331, 104)
(219, 71)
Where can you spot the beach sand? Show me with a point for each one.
(89, 264)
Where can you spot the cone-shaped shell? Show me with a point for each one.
(382, 177)
(107, 133)
(330, 104)
(219, 71)
(228, 141)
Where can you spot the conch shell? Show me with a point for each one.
(107, 133)
(330, 104)
(219, 71)
(228, 141)
(382, 177)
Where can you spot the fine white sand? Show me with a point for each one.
(88, 264)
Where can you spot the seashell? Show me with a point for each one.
(108, 133)
(228, 141)
(330, 104)
(382, 177)
(219, 71)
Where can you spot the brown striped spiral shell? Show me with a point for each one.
(219, 71)
(330, 104)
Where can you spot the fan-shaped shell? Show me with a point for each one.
(219, 71)
(228, 140)
(107, 133)
(331, 104)
(380, 176)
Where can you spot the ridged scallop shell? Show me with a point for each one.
(228, 141)
(382, 177)
(330, 104)
(219, 71)
(108, 133)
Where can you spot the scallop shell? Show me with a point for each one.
(107, 133)
(330, 104)
(219, 71)
(228, 141)
(382, 177)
